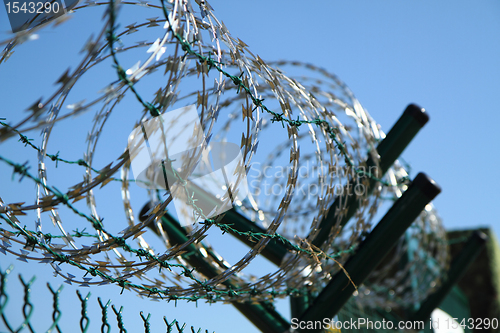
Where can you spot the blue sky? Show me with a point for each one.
(444, 56)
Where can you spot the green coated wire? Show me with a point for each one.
(147, 328)
(180, 329)
(27, 304)
(169, 325)
(104, 318)
(48, 237)
(84, 321)
(56, 314)
(4, 295)
(27, 142)
(119, 319)
(112, 38)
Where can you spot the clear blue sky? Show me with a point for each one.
(442, 55)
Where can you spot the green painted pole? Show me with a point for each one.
(372, 250)
(459, 266)
(262, 314)
(299, 303)
(389, 149)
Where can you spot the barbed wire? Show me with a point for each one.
(342, 134)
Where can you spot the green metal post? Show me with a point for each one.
(373, 249)
(389, 149)
(459, 266)
(299, 303)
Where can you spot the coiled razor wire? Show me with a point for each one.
(302, 138)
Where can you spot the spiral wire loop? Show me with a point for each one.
(314, 139)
